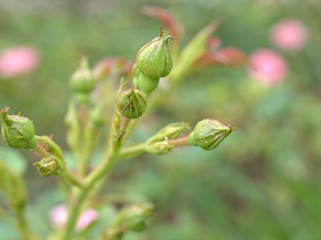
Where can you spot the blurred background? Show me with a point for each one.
(263, 182)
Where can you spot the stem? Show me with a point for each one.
(130, 129)
(132, 151)
(92, 179)
(110, 157)
(23, 227)
(83, 158)
(71, 179)
(123, 128)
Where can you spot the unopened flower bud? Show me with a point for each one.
(154, 59)
(131, 103)
(17, 131)
(113, 234)
(170, 131)
(134, 218)
(82, 80)
(208, 134)
(48, 166)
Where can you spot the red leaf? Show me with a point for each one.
(163, 16)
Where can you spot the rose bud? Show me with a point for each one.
(48, 166)
(155, 59)
(17, 131)
(208, 134)
(131, 103)
(82, 81)
(135, 217)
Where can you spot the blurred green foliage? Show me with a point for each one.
(264, 182)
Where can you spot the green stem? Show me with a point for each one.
(132, 151)
(123, 128)
(70, 178)
(92, 179)
(23, 227)
(110, 157)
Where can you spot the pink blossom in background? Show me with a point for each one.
(58, 217)
(18, 60)
(267, 67)
(86, 218)
(289, 35)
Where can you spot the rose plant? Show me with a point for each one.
(94, 96)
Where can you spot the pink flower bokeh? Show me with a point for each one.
(267, 67)
(18, 60)
(86, 218)
(289, 35)
(59, 214)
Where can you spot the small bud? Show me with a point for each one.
(48, 166)
(113, 234)
(17, 131)
(154, 59)
(208, 134)
(131, 103)
(159, 147)
(170, 131)
(82, 80)
(135, 217)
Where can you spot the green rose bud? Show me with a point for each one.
(131, 103)
(170, 131)
(48, 166)
(17, 131)
(155, 59)
(113, 233)
(82, 81)
(134, 218)
(208, 134)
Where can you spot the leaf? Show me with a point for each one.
(175, 28)
(192, 52)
